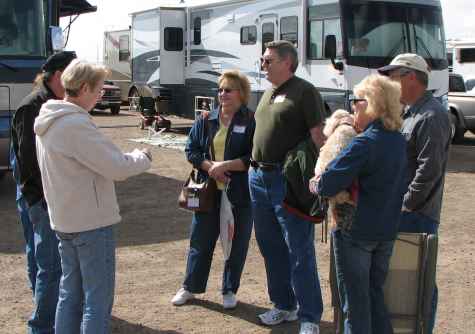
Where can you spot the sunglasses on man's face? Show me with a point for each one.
(267, 61)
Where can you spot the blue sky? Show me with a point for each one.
(87, 31)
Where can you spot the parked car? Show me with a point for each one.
(110, 98)
(461, 107)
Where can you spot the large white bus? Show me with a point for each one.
(178, 53)
(26, 31)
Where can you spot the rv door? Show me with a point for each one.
(172, 46)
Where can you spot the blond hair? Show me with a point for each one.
(238, 81)
(383, 96)
(79, 73)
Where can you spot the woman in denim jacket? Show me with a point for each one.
(231, 128)
(376, 159)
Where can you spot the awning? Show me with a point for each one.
(75, 7)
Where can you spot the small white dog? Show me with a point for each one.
(339, 131)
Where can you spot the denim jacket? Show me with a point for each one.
(238, 146)
(377, 159)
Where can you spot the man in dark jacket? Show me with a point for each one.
(44, 256)
(427, 130)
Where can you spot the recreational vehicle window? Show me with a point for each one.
(248, 35)
(319, 29)
(197, 31)
(267, 34)
(22, 28)
(377, 31)
(173, 39)
(124, 50)
(289, 29)
(466, 55)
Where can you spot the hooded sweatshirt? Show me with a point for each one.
(78, 168)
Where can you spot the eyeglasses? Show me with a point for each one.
(267, 61)
(354, 100)
(226, 90)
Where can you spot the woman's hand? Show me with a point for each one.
(219, 171)
(312, 184)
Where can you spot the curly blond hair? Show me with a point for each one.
(238, 81)
(383, 96)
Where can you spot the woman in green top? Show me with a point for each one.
(230, 129)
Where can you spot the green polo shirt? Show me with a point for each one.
(284, 117)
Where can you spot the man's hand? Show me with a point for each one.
(219, 171)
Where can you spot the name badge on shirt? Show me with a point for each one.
(279, 99)
(239, 129)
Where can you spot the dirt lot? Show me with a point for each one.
(153, 240)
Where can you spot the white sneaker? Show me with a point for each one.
(229, 301)
(309, 328)
(181, 297)
(276, 316)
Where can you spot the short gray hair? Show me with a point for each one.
(80, 72)
(285, 49)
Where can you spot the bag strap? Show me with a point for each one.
(211, 145)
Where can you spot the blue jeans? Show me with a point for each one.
(361, 270)
(48, 270)
(29, 236)
(413, 222)
(287, 245)
(204, 234)
(86, 292)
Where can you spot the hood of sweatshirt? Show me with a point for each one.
(53, 110)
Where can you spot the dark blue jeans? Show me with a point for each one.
(413, 222)
(361, 270)
(204, 234)
(287, 245)
(48, 271)
(29, 236)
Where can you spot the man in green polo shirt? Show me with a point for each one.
(287, 114)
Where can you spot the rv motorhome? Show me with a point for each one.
(117, 59)
(462, 54)
(29, 33)
(178, 53)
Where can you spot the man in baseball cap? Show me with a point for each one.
(43, 261)
(426, 128)
(58, 61)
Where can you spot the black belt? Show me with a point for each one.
(265, 166)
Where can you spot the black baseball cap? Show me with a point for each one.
(58, 61)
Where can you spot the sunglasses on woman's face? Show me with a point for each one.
(225, 90)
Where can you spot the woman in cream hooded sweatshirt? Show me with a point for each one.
(78, 168)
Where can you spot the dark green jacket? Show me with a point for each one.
(299, 168)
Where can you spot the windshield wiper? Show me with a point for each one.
(424, 46)
(393, 51)
(11, 68)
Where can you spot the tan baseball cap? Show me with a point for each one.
(406, 60)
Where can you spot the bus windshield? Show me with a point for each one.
(376, 32)
(23, 28)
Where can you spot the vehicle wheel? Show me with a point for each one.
(457, 131)
(115, 110)
(134, 103)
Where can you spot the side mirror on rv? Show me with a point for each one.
(57, 38)
(330, 52)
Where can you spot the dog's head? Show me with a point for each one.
(339, 117)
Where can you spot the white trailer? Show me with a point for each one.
(462, 54)
(179, 53)
(117, 59)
